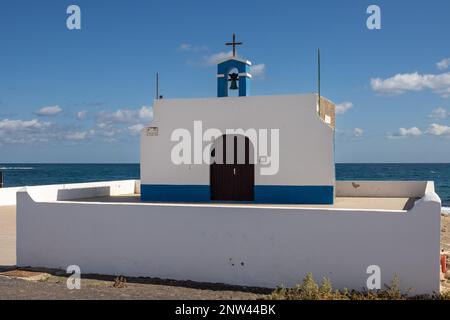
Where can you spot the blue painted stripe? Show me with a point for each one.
(294, 194)
(175, 193)
(263, 194)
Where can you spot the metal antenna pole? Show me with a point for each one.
(157, 85)
(318, 74)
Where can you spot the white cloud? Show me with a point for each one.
(103, 125)
(192, 48)
(439, 113)
(401, 83)
(36, 131)
(185, 47)
(443, 64)
(404, 133)
(433, 129)
(217, 57)
(23, 124)
(125, 116)
(25, 131)
(358, 132)
(414, 131)
(77, 136)
(258, 70)
(350, 134)
(343, 107)
(131, 121)
(146, 113)
(109, 127)
(136, 129)
(109, 132)
(438, 130)
(82, 114)
(121, 115)
(49, 111)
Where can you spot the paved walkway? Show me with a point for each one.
(7, 236)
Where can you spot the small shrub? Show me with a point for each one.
(326, 289)
(310, 290)
(120, 282)
(392, 291)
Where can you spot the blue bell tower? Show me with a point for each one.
(233, 74)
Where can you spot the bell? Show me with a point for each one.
(233, 85)
(233, 79)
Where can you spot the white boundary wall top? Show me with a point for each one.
(8, 196)
(384, 189)
(58, 192)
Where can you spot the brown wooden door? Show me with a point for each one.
(233, 181)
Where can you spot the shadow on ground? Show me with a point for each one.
(12, 271)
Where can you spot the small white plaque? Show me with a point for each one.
(152, 131)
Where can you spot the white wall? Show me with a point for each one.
(71, 191)
(8, 196)
(209, 242)
(389, 189)
(306, 142)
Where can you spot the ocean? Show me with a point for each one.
(38, 174)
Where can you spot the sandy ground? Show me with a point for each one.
(445, 245)
(51, 284)
(54, 287)
(445, 233)
(7, 236)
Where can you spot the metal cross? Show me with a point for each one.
(234, 44)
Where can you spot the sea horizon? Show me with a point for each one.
(9, 163)
(17, 174)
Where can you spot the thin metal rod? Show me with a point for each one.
(157, 86)
(318, 74)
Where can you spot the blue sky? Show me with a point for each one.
(81, 95)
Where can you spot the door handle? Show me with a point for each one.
(234, 171)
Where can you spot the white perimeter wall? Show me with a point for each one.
(242, 245)
(385, 189)
(71, 191)
(8, 196)
(306, 142)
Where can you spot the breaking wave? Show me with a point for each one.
(446, 210)
(16, 168)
